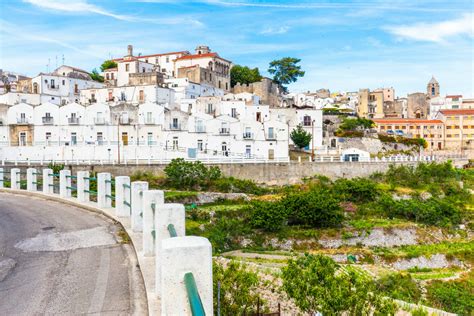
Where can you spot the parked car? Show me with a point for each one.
(399, 132)
(390, 132)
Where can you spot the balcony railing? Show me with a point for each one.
(53, 87)
(247, 135)
(200, 129)
(22, 120)
(149, 121)
(47, 120)
(73, 121)
(99, 121)
(271, 136)
(224, 131)
(124, 120)
(175, 127)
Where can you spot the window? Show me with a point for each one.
(271, 134)
(100, 138)
(167, 59)
(259, 117)
(64, 82)
(175, 124)
(48, 137)
(210, 109)
(175, 143)
(107, 76)
(122, 96)
(76, 88)
(127, 67)
(307, 120)
(233, 112)
(224, 149)
(248, 151)
(199, 145)
(149, 118)
(52, 84)
(141, 96)
(149, 138)
(143, 69)
(73, 138)
(22, 139)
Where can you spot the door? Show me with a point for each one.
(22, 139)
(248, 151)
(271, 154)
(125, 138)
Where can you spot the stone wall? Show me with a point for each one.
(266, 89)
(265, 173)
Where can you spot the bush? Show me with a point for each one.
(315, 208)
(268, 216)
(184, 174)
(455, 296)
(356, 190)
(351, 124)
(231, 184)
(400, 286)
(224, 235)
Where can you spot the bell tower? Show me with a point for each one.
(432, 89)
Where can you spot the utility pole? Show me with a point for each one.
(118, 139)
(312, 140)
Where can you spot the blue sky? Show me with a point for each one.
(344, 45)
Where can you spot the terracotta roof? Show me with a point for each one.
(458, 112)
(196, 56)
(407, 121)
(454, 96)
(185, 52)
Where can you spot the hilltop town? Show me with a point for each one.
(186, 105)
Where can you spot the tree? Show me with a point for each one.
(108, 64)
(96, 76)
(186, 174)
(285, 70)
(238, 292)
(300, 137)
(317, 284)
(244, 75)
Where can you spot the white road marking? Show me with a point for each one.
(86, 238)
(102, 281)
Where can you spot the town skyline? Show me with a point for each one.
(356, 45)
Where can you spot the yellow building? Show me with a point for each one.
(459, 128)
(370, 104)
(431, 130)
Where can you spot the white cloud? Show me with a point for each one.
(275, 30)
(435, 32)
(76, 6)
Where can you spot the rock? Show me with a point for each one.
(425, 196)
(210, 197)
(397, 197)
(436, 261)
(377, 238)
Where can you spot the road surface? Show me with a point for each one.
(58, 259)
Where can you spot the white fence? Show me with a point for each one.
(182, 275)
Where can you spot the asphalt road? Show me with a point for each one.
(58, 259)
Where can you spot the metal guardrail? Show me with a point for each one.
(91, 192)
(172, 230)
(197, 309)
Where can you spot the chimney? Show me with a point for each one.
(130, 50)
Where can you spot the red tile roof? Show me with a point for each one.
(458, 112)
(407, 121)
(454, 96)
(195, 56)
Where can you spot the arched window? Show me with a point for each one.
(35, 87)
(210, 65)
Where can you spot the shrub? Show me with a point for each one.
(350, 124)
(231, 184)
(225, 233)
(300, 137)
(455, 296)
(356, 190)
(400, 286)
(184, 174)
(268, 216)
(315, 208)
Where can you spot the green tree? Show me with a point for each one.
(238, 292)
(285, 70)
(96, 76)
(316, 284)
(244, 75)
(108, 64)
(185, 174)
(300, 137)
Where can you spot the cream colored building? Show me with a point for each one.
(370, 104)
(459, 128)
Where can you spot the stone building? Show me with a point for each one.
(432, 88)
(371, 104)
(266, 89)
(418, 105)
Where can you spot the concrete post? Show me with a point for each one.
(83, 186)
(31, 179)
(166, 214)
(1, 177)
(48, 181)
(15, 178)
(153, 201)
(137, 204)
(122, 196)
(104, 188)
(181, 255)
(65, 183)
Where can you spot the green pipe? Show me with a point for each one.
(197, 309)
(172, 230)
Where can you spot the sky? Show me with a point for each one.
(343, 45)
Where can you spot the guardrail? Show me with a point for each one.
(178, 259)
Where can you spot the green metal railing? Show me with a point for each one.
(110, 197)
(90, 178)
(72, 188)
(127, 186)
(53, 174)
(172, 230)
(197, 309)
(91, 192)
(72, 177)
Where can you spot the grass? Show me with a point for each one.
(369, 223)
(124, 238)
(176, 196)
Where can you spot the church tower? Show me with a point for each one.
(432, 89)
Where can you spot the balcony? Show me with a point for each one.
(99, 121)
(200, 129)
(224, 131)
(22, 121)
(124, 120)
(73, 121)
(247, 135)
(271, 136)
(47, 120)
(53, 87)
(149, 121)
(175, 127)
